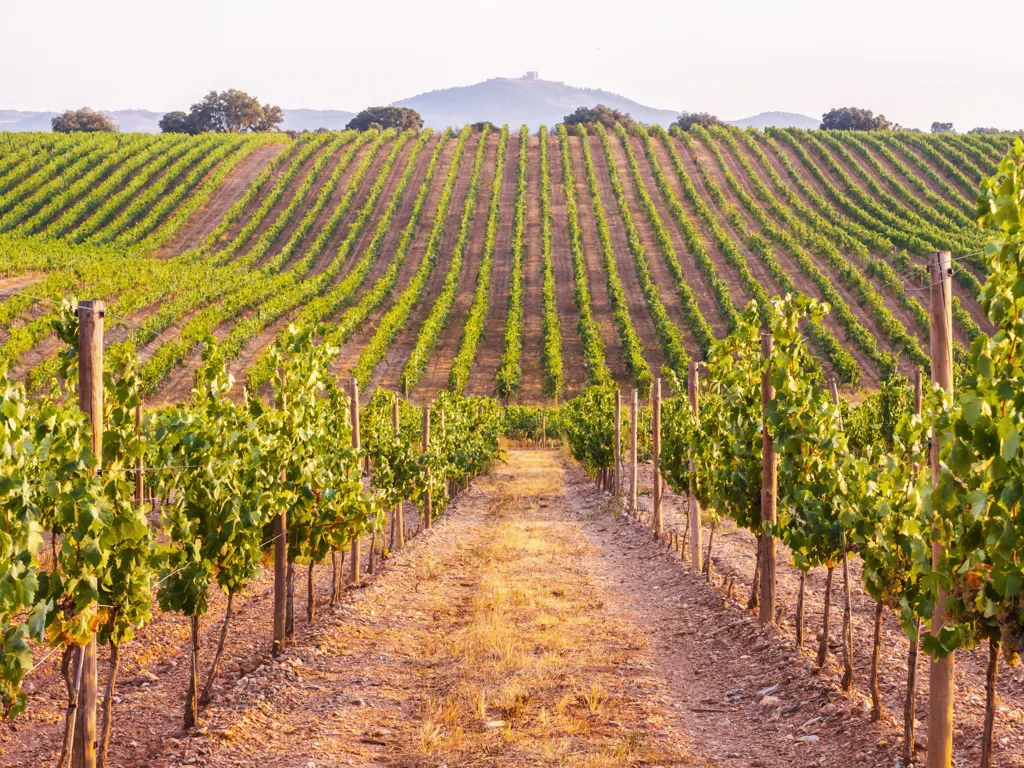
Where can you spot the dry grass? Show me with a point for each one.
(525, 674)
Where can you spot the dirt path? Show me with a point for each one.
(533, 626)
(533, 277)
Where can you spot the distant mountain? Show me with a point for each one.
(501, 100)
(137, 120)
(147, 121)
(311, 119)
(14, 120)
(128, 120)
(516, 101)
(777, 120)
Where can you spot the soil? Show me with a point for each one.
(351, 350)
(210, 213)
(655, 259)
(533, 625)
(492, 342)
(894, 306)
(533, 277)
(574, 368)
(803, 282)
(600, 303)
(390, 368)
(694, 277)
(724, 270)
(443, 355)
(635, 300)
(969, 302)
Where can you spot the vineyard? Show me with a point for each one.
(229, 358)
(486, 263)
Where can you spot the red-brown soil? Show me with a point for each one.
(443, 355)
(210, 213)
(574, 368)
(492, 343)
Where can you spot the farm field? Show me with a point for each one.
(479, 262)
(408, 448)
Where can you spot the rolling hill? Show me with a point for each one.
(670, 235)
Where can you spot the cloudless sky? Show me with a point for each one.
(912, 60)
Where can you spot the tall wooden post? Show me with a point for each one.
(90, 400)
(910, 700)
(544, 429)
(618, 448)
(427, 511)
(940, 678)
(696, 534)
(656, 436)
(280, 583)
(398, 513)
(354, 405)
(766, 607)
(634, 418)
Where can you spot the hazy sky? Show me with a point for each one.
(914, 61)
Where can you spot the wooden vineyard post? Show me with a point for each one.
(90, 400)
(696, 543)
(634, 417)
(618, 448)
(940, 678)
(766, 606)
(544, 429)
(399, 523)
(910, 702)
(427, 512)
(354, 395)
(280, 582)
(656, 438)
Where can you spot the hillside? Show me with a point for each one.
(522, 100)
(147, 121)
(435, 265)
(764, 120)
(311, 119)
(837, 212)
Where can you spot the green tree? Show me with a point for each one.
(83, 120)
(178, 122)
(942, 128)
(230, 111)
(606, 116)
(854, 119)
(703, 119)
(399, 118)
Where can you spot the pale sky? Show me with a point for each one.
(912, 60)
